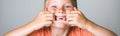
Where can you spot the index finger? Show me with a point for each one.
(75, 9)
(43, 11)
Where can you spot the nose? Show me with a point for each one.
(60, 11)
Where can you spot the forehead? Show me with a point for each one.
(59, 1)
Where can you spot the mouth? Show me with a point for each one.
(60, 18)
(60, 22)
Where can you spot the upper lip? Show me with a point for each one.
(61, 16)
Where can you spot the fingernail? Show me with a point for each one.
(72, 25)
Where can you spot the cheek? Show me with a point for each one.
(51, 10)
(70, 9)
(67, 11)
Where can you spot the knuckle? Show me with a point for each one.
(76, 15)
(48, 22)
(70, 19)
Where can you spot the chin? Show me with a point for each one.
(60, 26)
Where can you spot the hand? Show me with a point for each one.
(77, 18)
(43, 18)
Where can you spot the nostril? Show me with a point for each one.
(60, 12)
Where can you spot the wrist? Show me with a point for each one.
(89, 25)
(33, 25)
(84, 25)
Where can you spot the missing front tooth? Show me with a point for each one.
(61, 19)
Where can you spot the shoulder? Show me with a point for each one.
(79, 32)
(40, 31)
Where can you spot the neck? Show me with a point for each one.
(59, 31)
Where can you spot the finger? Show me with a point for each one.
(48, 22)
(73, 12)
(67, 12)
(70, 17)
(75, 9)
(70, 12)
(72, 23)
(49, 19)
(49, 15)
(45, 9)
(77, 13)
(48, 12)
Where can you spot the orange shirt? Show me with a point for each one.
(74, 31)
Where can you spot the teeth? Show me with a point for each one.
(61, 19)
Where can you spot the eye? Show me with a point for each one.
(67, 6)
(54, 6)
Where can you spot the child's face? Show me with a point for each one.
(59, 8)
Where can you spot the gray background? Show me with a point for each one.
(15, 13)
